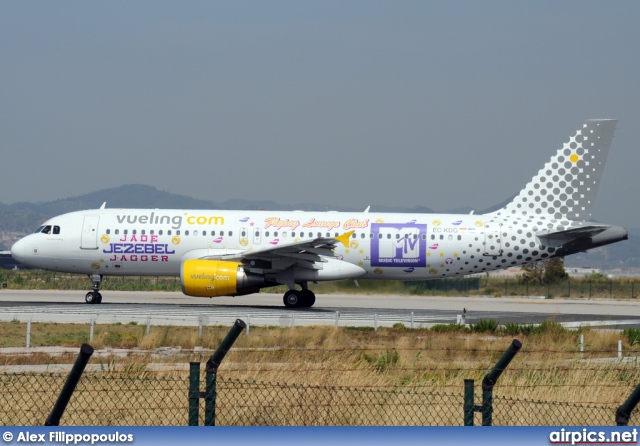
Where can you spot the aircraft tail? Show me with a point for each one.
(565, 188)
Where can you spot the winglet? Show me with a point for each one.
(344, 238)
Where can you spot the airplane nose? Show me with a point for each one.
(18, 251)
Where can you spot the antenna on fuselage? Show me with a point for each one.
(367, 209)
(103, 205)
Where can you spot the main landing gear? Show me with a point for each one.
(299, 298)
(94, 296)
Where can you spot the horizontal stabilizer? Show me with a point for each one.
(560, 237)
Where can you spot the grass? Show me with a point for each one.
(548, 367)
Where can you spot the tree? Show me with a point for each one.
(544, 272)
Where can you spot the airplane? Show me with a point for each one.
(234, 253)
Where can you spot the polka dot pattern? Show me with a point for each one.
(565, 188)
(558, 198)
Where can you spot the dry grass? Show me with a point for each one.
(549, 366)
(380, 373)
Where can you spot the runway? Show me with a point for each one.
(159, 308)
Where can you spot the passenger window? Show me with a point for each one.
(397, 236)
(230, 233)
(406, 236)
(126, 231)
(293, 234)
(257, 233)
(459, 237)
(186, 232)
(244, 233)
(108, 231)
(424, 236)
(134, 232)
(195, 232)
(117, 231)
(151, 232)
(168, 231)
(275, 234)
(328, 234)
(379, 235)
(160, 232)
(142, 232)
(415, 236)
(56, 229)
(353, 235)
(388, 235)
(319, 235)
(441, 237)
(178, 232)
(204, 233)
(284, 234)
(362, 235)
(266, 234)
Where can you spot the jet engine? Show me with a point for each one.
(211, 278)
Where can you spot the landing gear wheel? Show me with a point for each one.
(291, 299)
(307, 298)
(92, 297)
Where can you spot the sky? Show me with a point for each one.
(350, 103)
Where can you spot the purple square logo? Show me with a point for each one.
(399, 244)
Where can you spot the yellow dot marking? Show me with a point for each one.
(574, 158)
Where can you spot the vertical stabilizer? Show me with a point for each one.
(566, 187)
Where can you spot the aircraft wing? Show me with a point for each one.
(306, 253)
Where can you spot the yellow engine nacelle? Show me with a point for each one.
(211, 278)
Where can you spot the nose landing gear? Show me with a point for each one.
(94, 296)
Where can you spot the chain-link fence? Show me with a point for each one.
(151, 399)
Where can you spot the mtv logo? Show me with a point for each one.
(398, 244)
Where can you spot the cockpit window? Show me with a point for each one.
(56, 229)
(39, 229)
(47, 229)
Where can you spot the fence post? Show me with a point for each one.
(29, 333)
(194, 393)
(623, 413)
(70, 385)
(468, 402)
(569, 286)
(619, 349)
(589, 288)
(491, 378)
(248, 323)
(148, 325)
(93, 324)
(212, 370)
(375, 322)
(412, 320)
(337, 318)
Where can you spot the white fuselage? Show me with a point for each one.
(385, 246)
